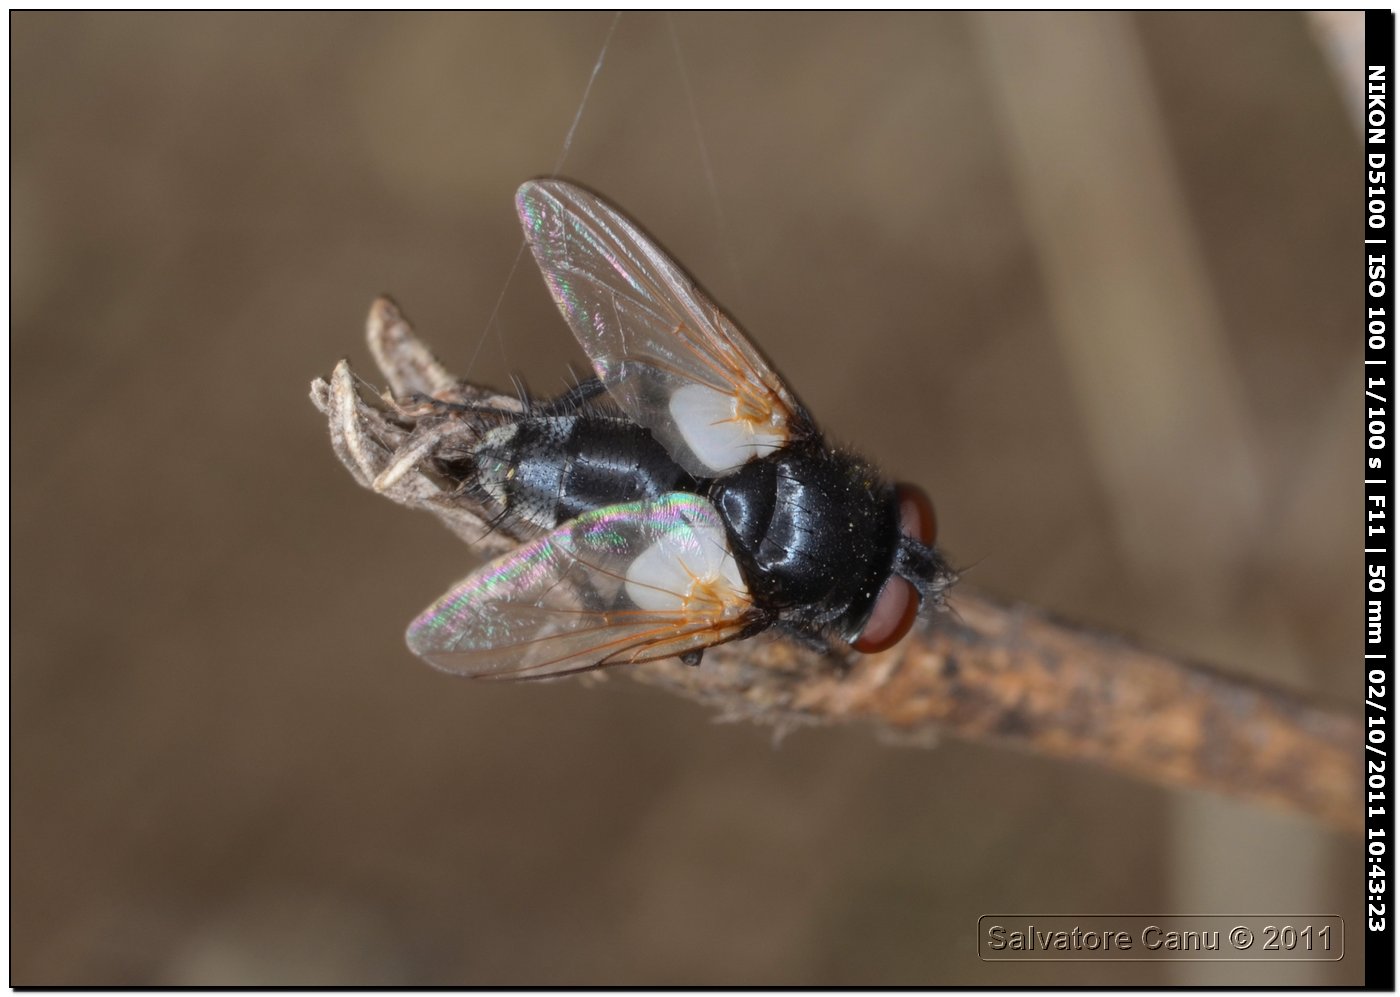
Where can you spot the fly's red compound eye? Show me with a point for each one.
(893, 615)
(916, 518)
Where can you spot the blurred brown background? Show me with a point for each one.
(1092, 279)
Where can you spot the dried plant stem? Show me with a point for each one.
(1009, 675)
(984, 672)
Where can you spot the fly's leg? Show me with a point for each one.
(804, 636)
(575, 398)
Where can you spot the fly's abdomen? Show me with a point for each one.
(548, 469)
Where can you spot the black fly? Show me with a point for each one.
(683, 498)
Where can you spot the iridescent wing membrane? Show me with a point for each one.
(626, 583)
(638, 581)
(671, 359)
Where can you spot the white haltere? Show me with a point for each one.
(711, 426)
(676, 572)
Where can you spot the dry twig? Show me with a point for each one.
(985, 672)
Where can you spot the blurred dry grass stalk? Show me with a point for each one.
(986, 672)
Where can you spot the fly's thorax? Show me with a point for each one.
(815, 532)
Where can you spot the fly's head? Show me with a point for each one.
(918, 578)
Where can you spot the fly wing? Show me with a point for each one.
(626, 583)
(669, 356)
